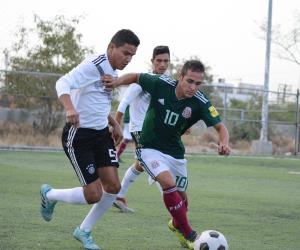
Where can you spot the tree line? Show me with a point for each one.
(35, 67)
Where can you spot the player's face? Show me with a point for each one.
(121, 56)
(160, 63)
(189, 84)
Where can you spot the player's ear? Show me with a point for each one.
(110, 47)
(179, 76)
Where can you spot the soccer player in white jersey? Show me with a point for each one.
(86, 138)
(139, 102)
(174, 107)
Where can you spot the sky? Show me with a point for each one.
(224, 34)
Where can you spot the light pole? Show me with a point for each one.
(265, 109)
(263, 146)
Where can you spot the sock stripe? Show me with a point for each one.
(170, 190)
(136, 172)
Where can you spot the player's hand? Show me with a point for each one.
(117, 134)
(72, 117)
(109, 82)
(223, 149)
(188, 131)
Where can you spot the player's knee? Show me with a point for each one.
(139, 168)
(165, 179)
(113, 188)
(93, 197)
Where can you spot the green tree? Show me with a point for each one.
(38, 58)
(246, 126)
(284, 112)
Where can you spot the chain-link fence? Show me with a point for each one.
(30, 113)
(241, 111)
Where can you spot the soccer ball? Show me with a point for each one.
(211, 240)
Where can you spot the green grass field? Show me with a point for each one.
(254, 202)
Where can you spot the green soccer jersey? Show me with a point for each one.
(168, 118)
(126, 117)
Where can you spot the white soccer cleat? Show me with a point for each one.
(121, 204)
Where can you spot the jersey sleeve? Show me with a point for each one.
(84, 74)
(147, 80)
(130, 94)
(210, 115)
(126, 117)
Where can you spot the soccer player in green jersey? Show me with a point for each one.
(174, 107)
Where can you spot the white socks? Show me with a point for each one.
(130, 176)
(97, 211)
(76, 196)
(72, 195)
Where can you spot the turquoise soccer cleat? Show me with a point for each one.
(47, 207)
(86, 239)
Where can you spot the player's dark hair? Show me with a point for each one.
(125, 36)
(193, 65)
(160, 50)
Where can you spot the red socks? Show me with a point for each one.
(121, 149)
(175, 223)
(177, 208)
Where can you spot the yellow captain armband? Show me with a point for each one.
(213, 111)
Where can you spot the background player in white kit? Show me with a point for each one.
(139, 102)
(126, 134)
(86, 138)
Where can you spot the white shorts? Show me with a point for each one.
(126, 133)
(155, 162)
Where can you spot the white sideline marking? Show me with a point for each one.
(293, 172)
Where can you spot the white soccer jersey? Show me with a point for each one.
(139, 102)
(90, 99)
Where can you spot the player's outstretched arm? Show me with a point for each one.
(223, 147)
(110, 82)
(131, 94)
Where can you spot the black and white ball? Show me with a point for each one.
(211, 240)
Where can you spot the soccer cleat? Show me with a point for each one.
(47, 207)
(190, 242)
(121, 204)
(178, 233)
(186, 243)
(86, 239)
